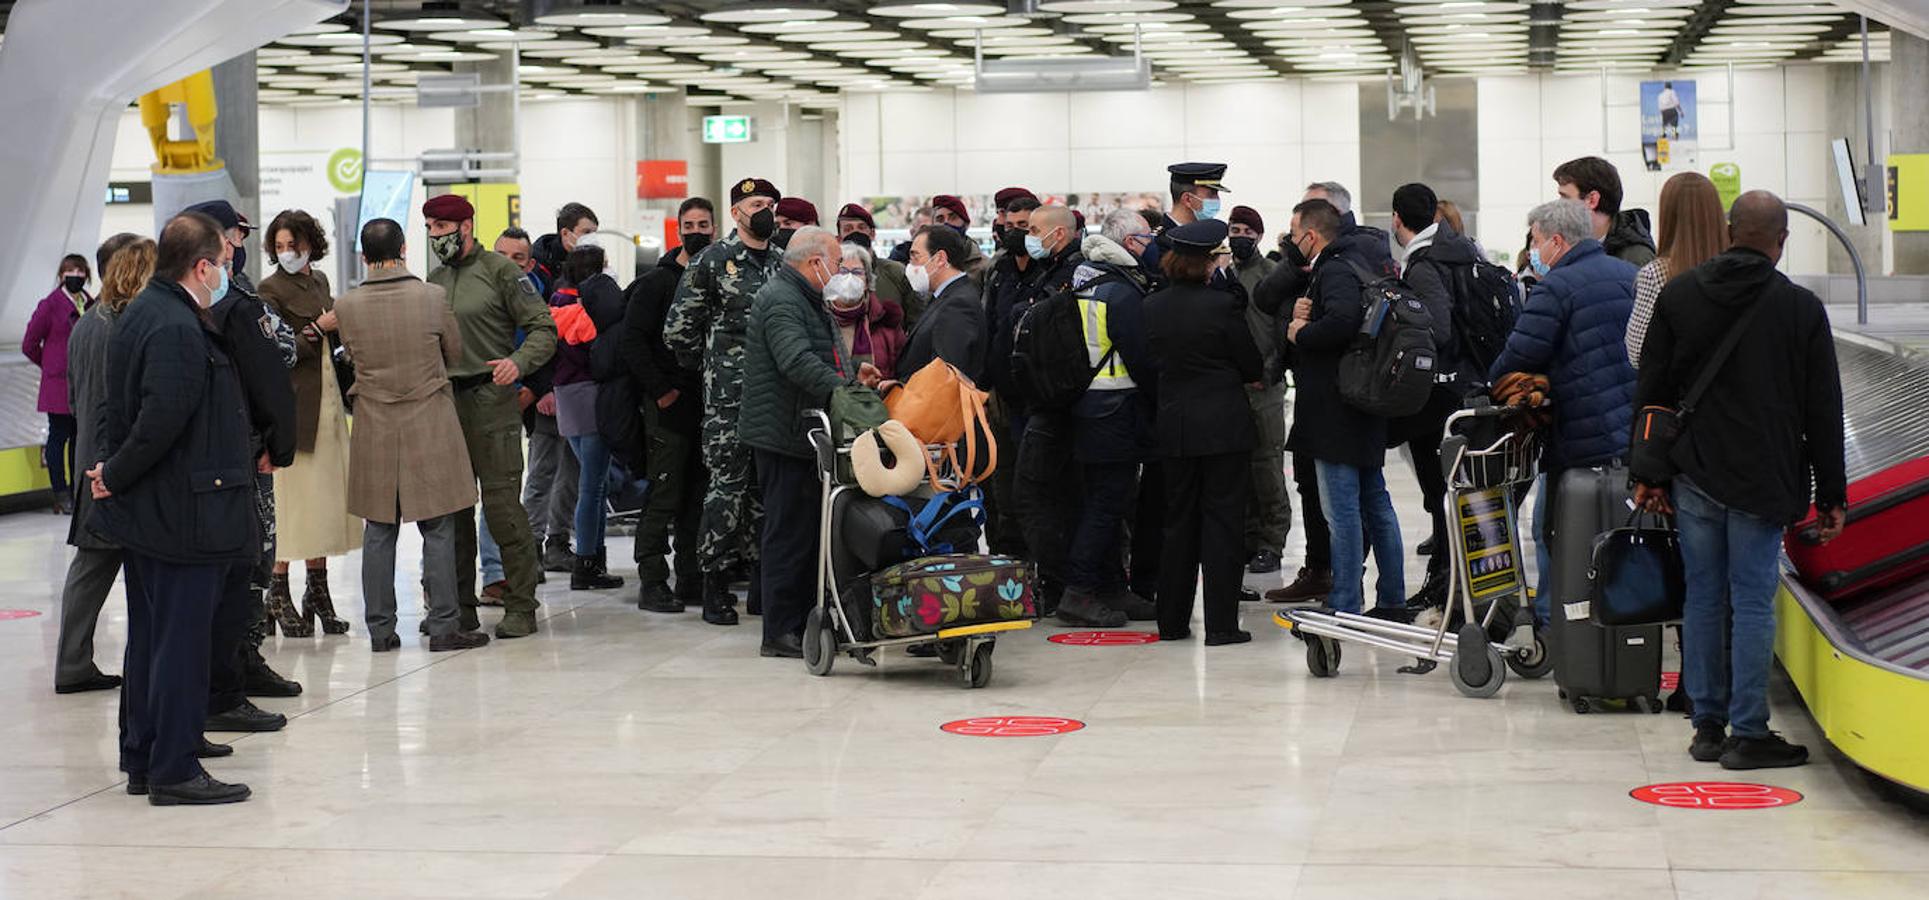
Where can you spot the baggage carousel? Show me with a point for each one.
(23, 430)
(1862, 667)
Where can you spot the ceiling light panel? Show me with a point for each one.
(935, 10)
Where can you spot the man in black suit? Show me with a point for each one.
(953, 326)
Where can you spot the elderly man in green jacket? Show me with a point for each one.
(792, 362)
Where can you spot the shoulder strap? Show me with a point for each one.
(1713, 366)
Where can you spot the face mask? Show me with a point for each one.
(291, 262)
(1534, 262)
(781, 239)
(1243, 248)
(920, 278)
(240, 259)
(763, 223)
(959, 229)
(1209, 208)
(859, 238)
(694, 242)
(844, 289)
(998, 231)
(1014, 242)
(1294, 256)
(220, 289)
(446, 247)
(73, 283)
(1035, 248)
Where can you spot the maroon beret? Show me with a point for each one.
(1078, 219)
(1247, 216)
(449, 208)
(751, 187)
(859, 212)
(947, 201)
(1003, 198)
(797, 209)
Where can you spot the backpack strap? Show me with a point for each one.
(1712, 367)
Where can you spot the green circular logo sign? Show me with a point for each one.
(345, 170)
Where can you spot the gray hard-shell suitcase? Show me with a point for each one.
(1594, 663)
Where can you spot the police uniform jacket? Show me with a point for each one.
(1206, 357)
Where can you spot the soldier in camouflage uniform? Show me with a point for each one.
(706, 329)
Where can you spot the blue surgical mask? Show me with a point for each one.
(1209, 208)
(1035, 248)
(1534, 262)
(220, 290)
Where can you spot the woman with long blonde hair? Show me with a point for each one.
(1693, 228)
(126, 263)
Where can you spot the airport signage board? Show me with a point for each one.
(726, 129)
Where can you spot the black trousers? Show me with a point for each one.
(229, 650)
(1149, 522)
(791, 495)
(164, 701)
(1205, 500)
(1046, 492)
(1319, 540)
(59, 451)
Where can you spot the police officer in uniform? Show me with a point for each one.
(1207, 359)
(707, 328)
(491, 300)
(1196, 187)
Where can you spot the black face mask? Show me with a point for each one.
(1244, 247)
(859, 238)
(962, 229)
(694, 242)
(781, 239)
(240, 259)
(763, 224)
(1013, 241)
(73, 283)
(1295, 257)
(998, 230)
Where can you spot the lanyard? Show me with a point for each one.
(80, 304)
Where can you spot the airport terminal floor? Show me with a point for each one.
(621, 753)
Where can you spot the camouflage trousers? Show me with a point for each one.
(261, 576)
(733, 511)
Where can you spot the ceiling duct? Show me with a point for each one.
(1021, 7)
(1544, 32)
(1408, 88)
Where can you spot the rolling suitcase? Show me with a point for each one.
(928, 595)
(1884, 542)
(1592, 662)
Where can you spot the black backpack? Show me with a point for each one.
(1486, 301)
(1389, 370)
(1049, 364)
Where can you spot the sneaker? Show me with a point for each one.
(1768, 751)
(1083, 610)
(1711, 741)
(1308, 586)
(1135, 607)
(1265, 562)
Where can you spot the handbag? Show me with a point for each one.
(1657, 429)
(1637, 576)
(940, 405)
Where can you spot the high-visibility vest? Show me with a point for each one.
(1112, 374)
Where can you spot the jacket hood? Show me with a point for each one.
(549, 251)
(1735, 277)
(1630, 229)
(1450, 247)
(1101, 249)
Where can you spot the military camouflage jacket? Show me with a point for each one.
(711, 315)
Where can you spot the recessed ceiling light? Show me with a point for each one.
(353, 68)
(1660, 14)
(1147, 27)
(1127, 18)
(838, 37)
(577, 16)
(984, 22)
(647, 31)
(879, 49)
(1105, 6)
(443, 56)
(551, 49)
(669, 69)
(955, 33)
(439, 15)
(337, 39)
(1276, 4)
(678, 44)
(1451, 7)
(757, 54)
(935, 10)
(800, 27)
(502, 35)
(750, 13)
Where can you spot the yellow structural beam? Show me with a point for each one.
(183, 157)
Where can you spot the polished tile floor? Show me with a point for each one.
(623, 754)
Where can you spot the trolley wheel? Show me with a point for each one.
(951, 652)
(1477, 669)
(1535, 663)
(1649, 705)
(1322, 656)
(1582, 706)
(820, 642)
(975, 670)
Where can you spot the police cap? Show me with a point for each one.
(1202, 238)
(1199, 174)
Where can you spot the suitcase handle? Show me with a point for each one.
(1835, 581)
(1881, 503)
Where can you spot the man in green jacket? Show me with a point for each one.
(792, 362)
(491, 300)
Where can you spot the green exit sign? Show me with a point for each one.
(726, 129)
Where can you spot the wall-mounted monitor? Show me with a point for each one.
(1851, 182)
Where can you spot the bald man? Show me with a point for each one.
(1768, 426)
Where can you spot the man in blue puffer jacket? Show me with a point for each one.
(1567, 331)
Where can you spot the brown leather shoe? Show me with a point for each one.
(1309, 587)
(492, 593)
(460, 640)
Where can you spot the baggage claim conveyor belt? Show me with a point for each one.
(1863, 667)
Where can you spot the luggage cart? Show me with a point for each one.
(828, 629)
(1484, 473)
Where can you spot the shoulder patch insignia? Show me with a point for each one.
(730, 268)
(267, 323)
(528, 287)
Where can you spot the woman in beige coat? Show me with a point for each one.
(311, 520)
(409, 462)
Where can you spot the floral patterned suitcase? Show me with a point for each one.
(932, 593)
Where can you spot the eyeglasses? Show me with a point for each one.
(850, 270)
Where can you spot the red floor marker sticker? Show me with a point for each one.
(1105, 638)
(1716, 795)
(6, 614)
(1670, 681)
(1012, 726)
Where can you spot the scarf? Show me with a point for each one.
(859, 319)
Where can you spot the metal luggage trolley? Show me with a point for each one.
(1483, 474)
(828, 629)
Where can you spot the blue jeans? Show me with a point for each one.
(593, 457)
(1543, 555)
(1348, 496)
(1728, 627)
(491, 553)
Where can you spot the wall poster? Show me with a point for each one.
(1670, 127)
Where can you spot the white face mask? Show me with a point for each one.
(844, 289)
(292, 262)
(920, 278)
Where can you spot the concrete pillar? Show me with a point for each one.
(237, 137)
(1844, 120)
(489, 126)
(1909, 132)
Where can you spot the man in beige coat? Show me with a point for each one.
(407, 459)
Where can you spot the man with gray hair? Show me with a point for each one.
(1566, 331)
(792, 362)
